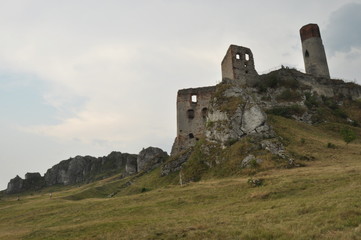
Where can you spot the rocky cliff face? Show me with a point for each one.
(233, 114)
(84, 169)
(150, 158)
(15, 185)
(32, 181)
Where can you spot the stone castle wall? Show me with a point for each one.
(193, 103)
(192, 110)
(238, 64)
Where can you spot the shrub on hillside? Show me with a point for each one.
(311, 100)
(348, 135)
(287, 111)
(289, 95)
(331, 145)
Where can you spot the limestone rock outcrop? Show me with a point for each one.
(150, 158)
(175, 163)
(15, 185)
(32, 181)
(85, 169)
(234, 114)
(250, 161)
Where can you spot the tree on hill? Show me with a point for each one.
(348, 135)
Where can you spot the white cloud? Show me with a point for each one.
(341, 33)
(346, 65)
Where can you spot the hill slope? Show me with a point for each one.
(317, 201)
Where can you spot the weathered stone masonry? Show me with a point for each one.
(314, 55)
(238, 64)
(193, 103)
(192, 110)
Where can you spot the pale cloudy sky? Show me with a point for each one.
(87, 77)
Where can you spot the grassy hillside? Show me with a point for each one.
(318, 201)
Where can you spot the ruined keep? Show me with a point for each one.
(193, 103)
(192, 110)
(238, 64)
(313, 51)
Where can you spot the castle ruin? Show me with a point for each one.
(193, 103)
(238, 66)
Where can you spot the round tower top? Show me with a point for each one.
(309, 31)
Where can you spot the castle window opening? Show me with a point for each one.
(307, 53)
(246, 57)
(190, 113)
(191, 136)
(204, 113)
(194, 98)
(238, 56)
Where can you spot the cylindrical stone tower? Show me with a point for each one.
(314, 54)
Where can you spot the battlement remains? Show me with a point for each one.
(238, 64)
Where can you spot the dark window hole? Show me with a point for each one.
(190, 113)
(204, 113)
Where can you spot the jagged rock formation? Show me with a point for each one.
(234, 113)
(175, 163)
(32, 181)
(250, 161)
(271, 85)
(15, 185)
(84, 169)
(150, 158)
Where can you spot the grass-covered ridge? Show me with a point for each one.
(318, 201)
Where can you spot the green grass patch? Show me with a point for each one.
(226, 104)
(289, 95)
(287, 111)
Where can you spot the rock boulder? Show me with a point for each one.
(86, 169)
(150, 158)
(32, 181)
